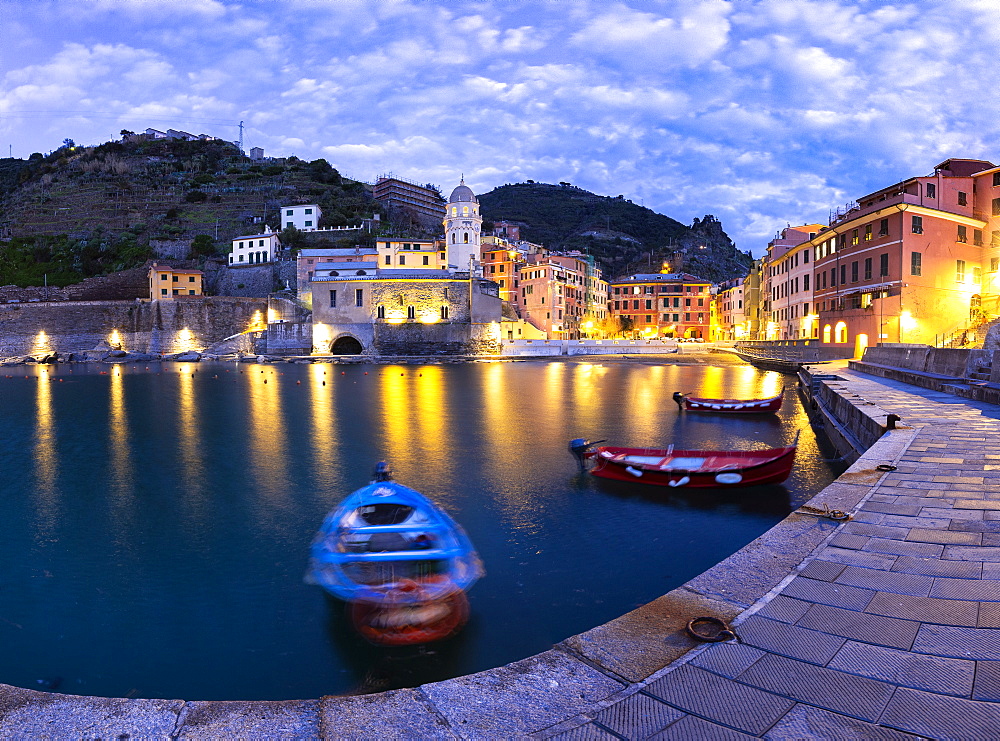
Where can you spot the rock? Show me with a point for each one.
(117, 354)
(191, 356)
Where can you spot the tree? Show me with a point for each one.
(195, 196)
(68, 144)
(203, 246)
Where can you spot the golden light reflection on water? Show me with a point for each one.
(324, 437)
(122, 469)
(268, 433)
(45, 454)
(415, 420)
(189, 435)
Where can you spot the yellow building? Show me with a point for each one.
(167, 283)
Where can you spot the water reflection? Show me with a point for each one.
(268, 447)
(45, 454)
(323, 438)
(122, 475)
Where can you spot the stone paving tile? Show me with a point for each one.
(847, 540)
(924, 535)
(925, 609)
(822, 570)
(860, 697)
(587, 732)
(975, 526)
(972, 553)
(637, 716)
(940, 716)
(875, 531)
(848, 557)
(990, 570)
(958, 642)
(977, 504)
(953, 514)
(911, 510)
(861, 626)
(826, 593)
(931, 673)
(987, 685)
(807, 722)
(903, 548)
(935, 567)
(988, 515)
(886, 581)
(789, 640)
(931, 523)
(981, 590)
(991, 539)
(690, 728)
(989, 615)
(785, 609)
(727, 659)
(875, 518)
(721, 700)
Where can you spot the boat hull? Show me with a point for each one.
(733, 406)
(693, 469)
(410, 624)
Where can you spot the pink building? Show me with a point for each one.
(789, 285)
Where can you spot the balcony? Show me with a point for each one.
(858, 210)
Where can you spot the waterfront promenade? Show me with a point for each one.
(883, 627)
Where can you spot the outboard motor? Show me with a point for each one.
(382, 472)
(679, 398)
(579, 447)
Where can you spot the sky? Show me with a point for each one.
(764, 113)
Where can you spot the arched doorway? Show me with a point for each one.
(860, 343)
(346, 345)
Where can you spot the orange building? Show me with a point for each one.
(167, 283)
(911, 262)
(663, 304)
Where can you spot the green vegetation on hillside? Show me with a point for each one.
(83, 211)
(624, 237)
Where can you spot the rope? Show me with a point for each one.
(711, 630)
(833, 514)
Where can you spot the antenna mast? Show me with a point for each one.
(241, 137)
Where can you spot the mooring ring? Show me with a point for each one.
(722, 632)
(885, 467)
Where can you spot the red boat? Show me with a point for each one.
(690, 469)
(729, 406)
(398, 622)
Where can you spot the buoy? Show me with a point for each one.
(366, 373)
(265, 380)
(324, 383)
(299, 383)
(341, 373)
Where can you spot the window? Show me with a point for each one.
(977, 237)
(402, 259)
(963, 234)
(445, 311)
(666, 317)
(868, 268)
(805, 283)
(917, 222)
(191, 279)
(649, 319)
(635, 305)
(915, 259)
(359, 296)
(883, 264)
(977, 275)
(931, 190)
(388, 259)
(380, 312)
(427, 261)
(289, 212)
(996, 179)
(308, 223)
(854, 272)
(805, 256)
(843, 274)
(841, 332)
(994, 264)
(854, 236)
(960, 271)
(308, 211)
(289, 224)
(163, 291)
(333, 299)
(963, 199)
(176, 279)
(868, 232)
(191, 293)
(163, 276)
(883, 228)
(649, 304)
(996, 206)
(411, 312)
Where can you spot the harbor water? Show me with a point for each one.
(157, 517)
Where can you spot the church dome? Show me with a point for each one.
(463, 194)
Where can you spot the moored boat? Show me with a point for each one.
(730, 406)
(691, 469)
(401, 563)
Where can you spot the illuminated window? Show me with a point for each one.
(960, 271)
(868, 232)
(841, 332)
(854, 236)
(826, 334)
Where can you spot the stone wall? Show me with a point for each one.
(136, 326)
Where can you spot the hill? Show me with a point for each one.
(85, 211)
(624, 237)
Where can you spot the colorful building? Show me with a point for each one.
(788, 285)
(254, 249)
(662, 304)
(730, 321)
(167, 283)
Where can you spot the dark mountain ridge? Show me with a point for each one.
(624, 237)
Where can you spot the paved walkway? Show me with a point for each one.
(891, 630)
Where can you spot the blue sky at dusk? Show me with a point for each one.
(762, 112)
